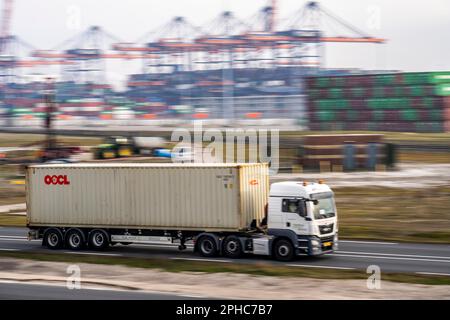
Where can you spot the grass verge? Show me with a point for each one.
(10, 220)
(261, 269)
(409, 215)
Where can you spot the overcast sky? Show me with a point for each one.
(418, 32)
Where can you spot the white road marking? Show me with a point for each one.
(18, 240)
(5, 249)
(16, 237)
(368, 242)
(195, 296)
(316, 266)
(93, 253)
(199, 259)
(158, 245)
(434, 274)
(394, 254)
(389, 258)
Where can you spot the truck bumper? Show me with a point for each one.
(315, 246)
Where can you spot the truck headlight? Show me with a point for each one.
(315, 243)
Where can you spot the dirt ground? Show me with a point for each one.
(216, 285)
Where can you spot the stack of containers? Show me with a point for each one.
(412, 102)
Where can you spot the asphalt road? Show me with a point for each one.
(10, 290)
(389, 256)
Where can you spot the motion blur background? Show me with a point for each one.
(80, 80)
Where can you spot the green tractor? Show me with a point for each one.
(115, 147)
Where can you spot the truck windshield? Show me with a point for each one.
(325, 207)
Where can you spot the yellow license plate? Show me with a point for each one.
(328, 244)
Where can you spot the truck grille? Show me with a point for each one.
(327, 228)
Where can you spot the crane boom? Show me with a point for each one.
(6, 18)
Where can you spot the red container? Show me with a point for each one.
(360, 126)
(446, 111)
(389, 91)
(399, 78)
(357, 104)
(391, 115)
(447, 126)
(323, 93)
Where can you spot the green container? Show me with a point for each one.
(378, 92)
(352, 115)
(398, 91)
(378, 115)
(40, 114)
(21, 110)
(323, 82)
(357, 92)
(414, 78)
(334, 126)
(428, 102)
(409, 115)
(443, 89)
(429, 127)
(326, 115)
(335, 93)
(314, 94)
(438, 77)
(371, 103)
(435, 115)
(372, 126)
(339, 82)
(384, 79)
(331, 104)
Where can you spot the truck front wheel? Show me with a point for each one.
(98, 239)
(53, 238)
(232, 247)
(283, 250)
(207, 246)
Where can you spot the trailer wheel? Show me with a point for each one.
(283, 250)
(207, 246)
(232, 247)
(98, 239)
(53, 238)
(75, 239)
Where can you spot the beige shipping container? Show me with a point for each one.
(209, 197)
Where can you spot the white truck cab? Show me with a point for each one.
(306, 214)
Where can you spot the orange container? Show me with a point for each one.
(149, 116)
(253, 115)
(200, 115)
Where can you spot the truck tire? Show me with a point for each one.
(53, 239)
(98, 239)
(232, 247)
(207, 246)
(283, 250)
(75, 239)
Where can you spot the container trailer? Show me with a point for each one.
(225, 209)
